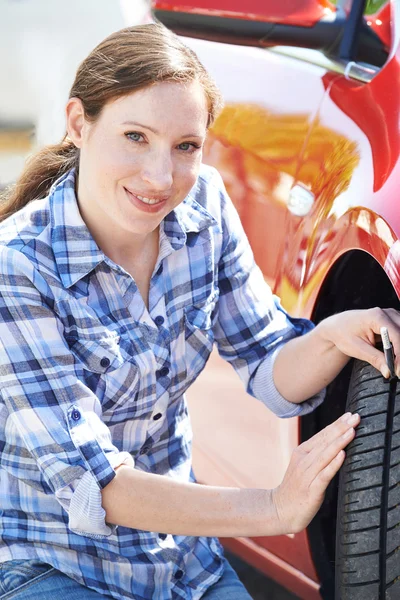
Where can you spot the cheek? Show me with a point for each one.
(110, 158)
(188, 172)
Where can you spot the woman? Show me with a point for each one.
(122, 260)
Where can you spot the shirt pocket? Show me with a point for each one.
(199, 336)
(109, 362)
(97, 355)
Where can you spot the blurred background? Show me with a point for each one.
(42, 43)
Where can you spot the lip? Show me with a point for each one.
(148, 208)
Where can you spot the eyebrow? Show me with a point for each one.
(189, 135)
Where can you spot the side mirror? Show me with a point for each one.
(288, 12)
(315, 24)
(308, 23)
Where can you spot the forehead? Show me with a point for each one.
(165, 106)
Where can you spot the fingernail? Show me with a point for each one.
(354, 418)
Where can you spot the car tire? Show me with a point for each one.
(368, 515)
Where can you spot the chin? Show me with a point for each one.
(141, 230)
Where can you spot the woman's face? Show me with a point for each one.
(140, 159)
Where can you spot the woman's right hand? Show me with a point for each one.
(312, 466)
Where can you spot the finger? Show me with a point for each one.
(368, 353)
(393, 314)
(321, 482)
(320, 458)
(325, 437)
(389, 318)
(394, 334)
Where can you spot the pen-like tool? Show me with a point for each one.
(388, 351)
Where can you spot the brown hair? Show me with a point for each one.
(126, 61)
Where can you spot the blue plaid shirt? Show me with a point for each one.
(91, 379)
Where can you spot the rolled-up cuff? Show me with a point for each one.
(87, 516)
(263, 388)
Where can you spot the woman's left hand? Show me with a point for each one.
(355, 333)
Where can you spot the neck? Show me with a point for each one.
(122, 246)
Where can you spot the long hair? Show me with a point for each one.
(126, 61)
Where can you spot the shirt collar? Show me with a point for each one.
(77, 254)
(187, 217)
(75, 251)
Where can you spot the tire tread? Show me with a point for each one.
(364, 522)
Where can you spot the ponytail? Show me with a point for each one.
(41, 171)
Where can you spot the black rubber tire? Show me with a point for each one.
(368, 517)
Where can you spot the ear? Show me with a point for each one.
(75, 117)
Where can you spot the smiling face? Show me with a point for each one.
(139, 159)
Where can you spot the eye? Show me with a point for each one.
(134, 136)
(188, 147)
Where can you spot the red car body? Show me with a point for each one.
(308, 145)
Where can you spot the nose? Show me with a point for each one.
(157, 171)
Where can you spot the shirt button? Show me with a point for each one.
(162, 536)
(159, 320)
(164, 372)
(105, 362)
(179, 574)
(157, 416)
(76, 415)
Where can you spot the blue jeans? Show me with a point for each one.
(33, 580)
